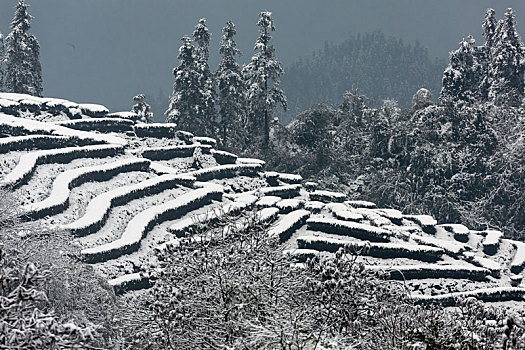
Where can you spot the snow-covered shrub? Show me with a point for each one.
(103, 125)
(158, 130)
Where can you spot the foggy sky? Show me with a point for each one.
(107, 51)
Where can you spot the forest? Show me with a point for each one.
(119, 232)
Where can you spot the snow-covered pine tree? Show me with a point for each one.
(184, 108)
(202, 38)
(262, 76)
(2, 56)
(506, 73)
(232, 91)
(23, 70)
(464, 74)
(489, 27)
(142, 109)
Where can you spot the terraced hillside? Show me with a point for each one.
(126, 190)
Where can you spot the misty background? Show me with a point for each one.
(107, 51)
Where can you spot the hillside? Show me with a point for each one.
(127, 190)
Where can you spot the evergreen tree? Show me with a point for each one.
(23, 71)
(232, 90)
(506, 72)
(202, 38)
(142, 109)
(262, 75)
(489, 27)
(2, 57)
(184, 108)
(464, 74)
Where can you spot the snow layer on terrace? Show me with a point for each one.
(433, 271)
(360, 204)
(518, 262)
(250, 161)
(123, 115)
(92, 109)
(287, 205)
(449, 246)
(29, 161)
(36, 127)
(18, 143)
(492, 238)
(456, 228)
(228, 170)
(99, 207)
(139, 225)
(349, 228)
(290, 178)
(342, 212)
(64, 182)
(422, 220)
(327, 196)
(267, 201)
(484, 294)
(288, 223)
(205, 140)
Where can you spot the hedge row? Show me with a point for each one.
(496, 294)
(461, 232)
(288, 224)
(286, 191)
(223, 157)
(327, 196)
(98, 209)
(99, 124)
(286, 206)
(29, 142)
(129, 282)
(156, 130)
(491, 241)
(170, 152)
(225, 171)
(28, 162)
(518, 262)
(186, 226)
(144, 222)
(348, 228)
(427, 222)
(378, 250)
(410, 272)
(58, 200)
(450, 247)
(342, 212)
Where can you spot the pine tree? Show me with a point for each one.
(142, 109)
(2, 57)
(23, 70)
(464, 74)
(184, 108)
(262, 75)
(506, 73)
(489, 27)
(232, 90)
(202, 38)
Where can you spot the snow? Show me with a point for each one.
(340, 211)
(251, 161)
(290, 178)
(98, 208)
(19, 143)
(205, 140)
(491, 265)
(287, 205)
(381, 250)
(310, 185)
(267, 214)
(450, 247)
(327, 196)
(29, 161)
(93, 110)
(159, 130)
(422, 220)
(223, 157)
(59, 197)
(132, 281)
(143, 222)
(285, 191)
(4, 103)
(170, 152)
(284, 228)
(484, 294)
(422, 271)
(493, 237)
(35, 127)
(456, 228)
(223, 171)
(348, 228)
(267, 201)
(518, 262)
(123, 115)
(392, 214)
(360, 204)
(103, 125)
(314, 206)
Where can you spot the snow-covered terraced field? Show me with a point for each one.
(128, 193)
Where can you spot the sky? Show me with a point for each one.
(107, 51)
